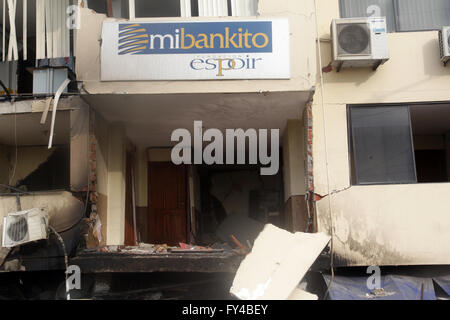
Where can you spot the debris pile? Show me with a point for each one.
(270, 273)
(146, 248)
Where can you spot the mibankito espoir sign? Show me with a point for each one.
(195, 50)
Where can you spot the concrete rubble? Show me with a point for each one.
(277, 263)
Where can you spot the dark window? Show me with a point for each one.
(400, 144)
(401, 15)
(431, 166)
(157, 8)
(382, 145)
(98, 6)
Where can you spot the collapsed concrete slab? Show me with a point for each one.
(278, 262)
(299, 294)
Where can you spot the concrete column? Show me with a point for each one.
(116, 185)
(294, 159)
(294, 175)
(79, 140)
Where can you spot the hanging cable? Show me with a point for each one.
(11, 178)
(322, 91)
(66, 259)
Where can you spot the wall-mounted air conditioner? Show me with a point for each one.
(359, 42)
(24, 226)
(444, 43)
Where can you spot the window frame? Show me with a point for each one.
(132, 10)
(352, 165)
(395, 6)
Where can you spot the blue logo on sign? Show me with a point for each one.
(195, 38)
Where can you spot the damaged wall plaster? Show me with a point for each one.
(388, 225)
(337, 148)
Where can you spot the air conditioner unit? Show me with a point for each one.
(444, 42)
(24, 226)
(359, 42)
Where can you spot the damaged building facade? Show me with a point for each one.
(138, 70)
(134, 121)
(111, 148)
(381, 137)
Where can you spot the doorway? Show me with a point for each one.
(167, 203)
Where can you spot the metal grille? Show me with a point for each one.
(18, 228)
(353, 38)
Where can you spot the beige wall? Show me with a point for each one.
(294, 159)
(79, 146)
(303, 59)
(116, 185)
(389, 224)
(400, 224)
(111, 170)
(101, 156)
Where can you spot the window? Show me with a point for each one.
(400, 144)
(423, 15)
(365, 8)
(382, 147)
(157, 8)
(401, 15)
(175, 8)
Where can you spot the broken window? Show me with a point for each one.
(399, 144)
(25, 160)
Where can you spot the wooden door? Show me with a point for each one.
(167, 203)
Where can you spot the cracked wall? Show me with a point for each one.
(403, 224)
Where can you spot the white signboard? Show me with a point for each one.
(255, 49)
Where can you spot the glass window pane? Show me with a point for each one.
(416, 15)
(157, 8)
(382, 145)
(366, 8)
